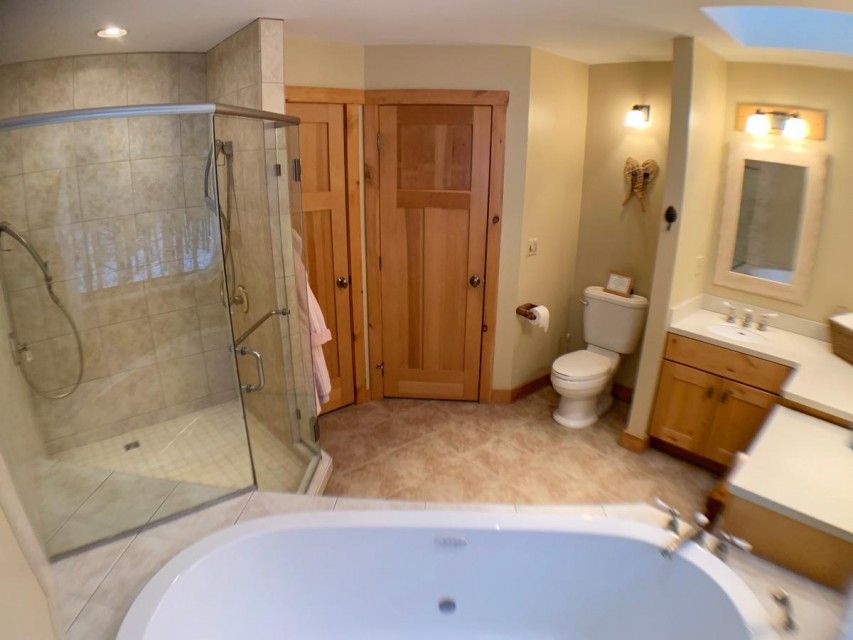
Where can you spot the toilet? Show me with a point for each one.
(612, 325)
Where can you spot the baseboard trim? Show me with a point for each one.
(622, 393)
(505, 396)
(634, 443)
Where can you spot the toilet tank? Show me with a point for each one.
(613, 322)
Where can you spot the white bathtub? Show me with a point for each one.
(386, 574)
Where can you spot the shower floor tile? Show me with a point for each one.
(515, 453)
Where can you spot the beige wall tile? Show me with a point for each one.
(12, 202)
(176, 334)
(184, 379)
(160, 236)
(213, 322)
(134, 392)
(100, 81)
(101, 140)
(193, 77)
(63, 248)
(105, 190)
(9, 90)
(52, 198)
(169, 293)
(11, 154)
(128, 345)
(272, 50)
(17, 267)
(48, 147)
(221, 370)
(46, 85)
(195, 135)
(272, 97)
(193, 170)
(154, 136)
(80, 300)
(153, 78)
(123, 300)
(157, 184)
(110, 244)
(208, 283)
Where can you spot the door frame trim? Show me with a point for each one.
(352, 101)
(498, 100)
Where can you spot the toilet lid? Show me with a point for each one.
(581, 365)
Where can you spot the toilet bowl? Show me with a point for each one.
(612, 326)
(583, 380)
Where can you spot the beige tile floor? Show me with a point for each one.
(516, 453)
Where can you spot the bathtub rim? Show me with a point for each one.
(451, 522)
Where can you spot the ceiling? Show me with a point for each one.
(591, 31)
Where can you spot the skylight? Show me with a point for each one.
(787, 27)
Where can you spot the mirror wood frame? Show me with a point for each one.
(812, 209)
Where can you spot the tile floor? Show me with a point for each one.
(515, 453)
(94, 589)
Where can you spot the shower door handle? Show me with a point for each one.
(249, 388)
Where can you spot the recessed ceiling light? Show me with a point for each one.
(112, 32)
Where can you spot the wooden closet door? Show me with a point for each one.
(324, 204)
(433, 209)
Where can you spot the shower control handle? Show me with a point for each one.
(250, 388)
(342, 282)
(474, 281)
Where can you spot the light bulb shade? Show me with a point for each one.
(795, 128)
(758, 124)
(112, 32)
(638, 116)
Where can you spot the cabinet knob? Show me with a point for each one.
(724, 397)
(709, 392)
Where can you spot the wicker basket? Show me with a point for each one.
(842, 339)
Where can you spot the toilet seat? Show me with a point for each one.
(581, 365)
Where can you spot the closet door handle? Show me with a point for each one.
(474, 281)
(342, 282)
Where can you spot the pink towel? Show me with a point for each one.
(320, 335)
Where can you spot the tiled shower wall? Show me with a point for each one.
(116, 208)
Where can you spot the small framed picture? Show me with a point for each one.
(619, 283)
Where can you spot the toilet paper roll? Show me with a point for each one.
(542, 317)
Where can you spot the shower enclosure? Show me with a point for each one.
(154, 289)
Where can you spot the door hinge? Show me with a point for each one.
(485, 328)
(278, 170)
(379, 141)
(317, 429)
(381, 367)
(297, 170)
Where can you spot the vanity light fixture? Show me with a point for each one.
(795, 127)
(758, 124)
(639, 117)
(112, 32)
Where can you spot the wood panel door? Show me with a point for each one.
(324, 204)
(741, 412)
(685, 406)
(433, 210)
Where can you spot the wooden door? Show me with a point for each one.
(741, 412)
(685, 406)
(433, 209)
(324, 203)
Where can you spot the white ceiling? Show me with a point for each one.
(592, 31)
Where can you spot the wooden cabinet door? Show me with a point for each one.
(324, 204)
(433, 209)
(740, 413)
(685, 405)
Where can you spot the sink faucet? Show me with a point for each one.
(698, 536)
(747, 318)
(725, 541)
(673, 524)
(765, 317)
(732, 315)
(781, 597)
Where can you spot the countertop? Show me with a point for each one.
(801, 467)
(820, 380)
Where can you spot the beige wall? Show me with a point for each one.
(472, 67)
(116, 208)
(831, 90)
(552, 198)
(323, 63)
(613, 237)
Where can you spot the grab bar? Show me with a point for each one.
(249, 388)
(260, 321)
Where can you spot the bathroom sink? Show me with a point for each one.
(733, 332)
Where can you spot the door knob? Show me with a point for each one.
(475, 281)
(342, 282)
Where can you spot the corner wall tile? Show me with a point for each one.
(100, 81)
(9, 90)
(193, 77)
(195, 135)
(153, 78)
(272, 50)
(46, 85)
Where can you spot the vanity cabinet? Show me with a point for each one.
(711, 401)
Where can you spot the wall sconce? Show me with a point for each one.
(793, 122)
(639, 117)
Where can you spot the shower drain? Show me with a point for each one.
(447, 605)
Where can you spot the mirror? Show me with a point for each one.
(771, 219)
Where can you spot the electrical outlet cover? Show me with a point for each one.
(532, 246)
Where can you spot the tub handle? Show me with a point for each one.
(259, 361)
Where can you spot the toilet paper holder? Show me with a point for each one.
(524, 311)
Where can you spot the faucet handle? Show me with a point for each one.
(726, 540)
(762, 326)
(673, 524)
(747, 317)
(783, 599)
(732, 315)
(702, 523)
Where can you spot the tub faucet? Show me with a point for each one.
(781, 597)
(673, 524)
(698, 536)
(726, 541)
